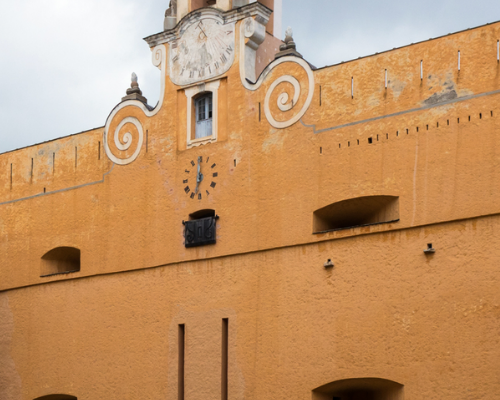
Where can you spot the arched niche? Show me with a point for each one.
(61, 260)
(57, 397)
(360, 389)
(202, 214)
(360, 211)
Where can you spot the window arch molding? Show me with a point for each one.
(192, 94)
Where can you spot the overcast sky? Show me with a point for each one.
(66, 63)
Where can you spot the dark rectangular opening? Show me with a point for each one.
(180, 373)
(225, 359)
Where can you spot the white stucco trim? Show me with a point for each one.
(278, 18)
(159, 59)
(191, 92)
(250, 39)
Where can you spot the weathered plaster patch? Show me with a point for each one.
(272, 142)
(444, 95)
(397, 88)
(445, 90)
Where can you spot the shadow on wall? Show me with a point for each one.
(360, 389)
(360, 211)
(61, 260)
(57, 397)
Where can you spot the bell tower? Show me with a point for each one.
(178, 9)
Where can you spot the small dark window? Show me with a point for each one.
(360, 211)
(200, 230)
(57, 397)
(203, 109)
(61, 260)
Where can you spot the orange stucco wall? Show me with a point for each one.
(428, 322)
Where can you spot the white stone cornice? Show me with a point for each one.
(255, 10)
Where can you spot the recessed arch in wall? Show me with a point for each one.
(202, 214)
(57, 397)
(360, 389)
(360, 211)
(61, 260)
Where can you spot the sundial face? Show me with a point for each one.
(204, 50)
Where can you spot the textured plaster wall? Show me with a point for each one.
(428, 322)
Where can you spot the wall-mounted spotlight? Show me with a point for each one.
(429, 249)
(328, 264)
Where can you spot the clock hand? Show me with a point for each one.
(199, 176)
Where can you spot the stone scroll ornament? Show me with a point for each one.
(122, 139)
(252, 34)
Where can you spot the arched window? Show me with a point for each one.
(61, 260)
(57, 397)
(360, 389)
(203, 112)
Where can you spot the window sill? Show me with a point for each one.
(201, 141)
(355, 226)
(60, 273)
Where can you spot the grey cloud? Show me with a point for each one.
(66, 64)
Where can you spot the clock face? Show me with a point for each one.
(204, 50)
(200, 178)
